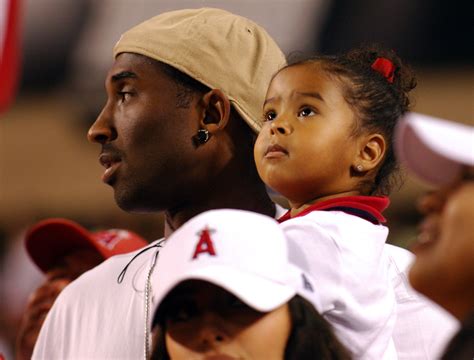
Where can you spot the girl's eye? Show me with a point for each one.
(269, 116)
(306, 112)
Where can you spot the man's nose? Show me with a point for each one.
(102, 130)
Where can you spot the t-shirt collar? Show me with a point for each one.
(369, 208)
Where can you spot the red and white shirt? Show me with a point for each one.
(364, 286)
(343, 241)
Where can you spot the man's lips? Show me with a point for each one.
(275, 151)
(111, 162)
(108, 159)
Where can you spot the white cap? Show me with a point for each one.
(434, 149)
(240, 251)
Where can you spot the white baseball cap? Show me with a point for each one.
(244, 253)
(434, 149)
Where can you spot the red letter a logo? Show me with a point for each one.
(204, 244)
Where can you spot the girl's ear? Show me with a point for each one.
(371, 152)
(215, 111)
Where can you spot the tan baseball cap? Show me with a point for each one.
(219, 49)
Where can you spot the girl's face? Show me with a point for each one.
(306, 147)
(204, 321)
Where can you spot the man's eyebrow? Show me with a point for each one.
(315, 95)
(123, 75)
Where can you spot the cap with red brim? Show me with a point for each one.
(50, 240)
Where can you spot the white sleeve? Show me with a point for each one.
(50, 343)
(422, 329)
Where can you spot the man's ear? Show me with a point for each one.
(216, 110)
(372, 148)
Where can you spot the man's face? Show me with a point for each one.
(444, 269)
(147, 140)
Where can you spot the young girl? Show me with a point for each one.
(327, 147)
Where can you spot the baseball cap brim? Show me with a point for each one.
(257, 292)
(433, 149)
(49, 240)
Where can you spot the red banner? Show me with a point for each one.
(9, 51)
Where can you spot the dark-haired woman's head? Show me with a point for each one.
(199, 319)
(330, 122)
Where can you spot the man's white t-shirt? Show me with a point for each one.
(96, 317)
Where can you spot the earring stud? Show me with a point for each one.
(359, 168)
(202, 136)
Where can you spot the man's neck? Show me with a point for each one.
(253, 198)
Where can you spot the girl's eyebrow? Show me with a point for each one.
(268, 100)
(123, 75)
(315, 95)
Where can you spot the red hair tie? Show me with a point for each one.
(385, 67)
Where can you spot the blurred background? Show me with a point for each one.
(48, 169)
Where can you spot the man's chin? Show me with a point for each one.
(134, 204)
(127, 205)
(124, 200)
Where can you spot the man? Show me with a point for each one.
(184, 94)
(173, 139)
(442, 154)
(63, 250)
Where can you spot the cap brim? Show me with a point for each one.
(49, 240)
(258, 293)
(433, 149)
(255, 125)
